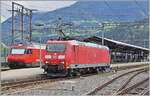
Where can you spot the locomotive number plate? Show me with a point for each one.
(54, 56)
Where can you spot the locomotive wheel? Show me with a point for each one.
(78, 73)
(70, 73)
(107, 69)
(98, 70)
(75, 73)
(12, 66)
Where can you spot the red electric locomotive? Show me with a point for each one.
(73, 57)
(22, 55)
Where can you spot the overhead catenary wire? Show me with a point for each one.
(142, 10)
(107, 4)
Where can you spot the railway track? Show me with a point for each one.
(118, 91)
(6, 85)
(11, 87)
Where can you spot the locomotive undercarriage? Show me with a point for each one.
(55, 70)
(79, 71)
(14, 65)
(58, 70)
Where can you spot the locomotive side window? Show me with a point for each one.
(56, 47)
(29, 51)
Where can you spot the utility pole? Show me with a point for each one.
(12, 22)
(103, 33)
(30, 25)
(22, 23)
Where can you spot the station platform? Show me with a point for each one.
(25, 73)
(128, 64)
(4, 68)
(16, 74)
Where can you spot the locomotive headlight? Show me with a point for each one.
(62, 62)
(46, 62)
(48, 56)
(61, 56)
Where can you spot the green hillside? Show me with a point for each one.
(136, 33)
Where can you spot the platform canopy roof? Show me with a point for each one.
(115, 45)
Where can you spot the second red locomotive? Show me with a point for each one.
(25, 55)
(73, 57)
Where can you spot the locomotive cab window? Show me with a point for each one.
(17, 51)
(56, 47)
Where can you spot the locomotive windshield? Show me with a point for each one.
(56, 47)
(17, 51)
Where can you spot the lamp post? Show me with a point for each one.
(102, 34)
(40, 54)
(40, 45)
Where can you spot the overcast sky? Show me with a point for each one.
(42, 6)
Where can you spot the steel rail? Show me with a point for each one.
(125, 91)
(111, 81)
(144, 92)
(128, 81)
